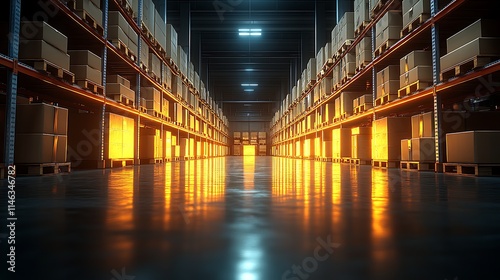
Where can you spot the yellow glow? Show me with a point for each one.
(248, 171)
(121, 137)
(119, 213)
(249, 150)
(307, 148)
(381, 228)
(317, 146)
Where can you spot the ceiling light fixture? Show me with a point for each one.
(250, 32)
(249, 85)
(249, 90)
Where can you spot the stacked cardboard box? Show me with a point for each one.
(481, 38)
(387, 134)
(165, 108)
(41, 134)
(148, 15)
(388, 29)
(363, 52)
(171, 49)
(388, 82)
(160, 30)
(413, 9)
(178, 113)
(120, 31)
(91, 8)
(416, 67)
(46, 44)
(362, 103)
(320, 60)
(421, 146)
(153, 100)
(155, 66)
(166, 74)
(361, 14)
(118, 85)
(86, 66)
(477, 147)
(144, 57)
(348, 66)
(341, 143)
(334, 42)
(182, 61)
(120, 139)
(151, 144)
(345, 30)
(168, 145)
(361, 143)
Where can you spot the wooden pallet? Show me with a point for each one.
(385, 163)
(50, 68)
(90, 21)
(465, 66)
(478, 170)
(120, 98)
(384, 47)
(385, 99)
(143, 109)
(150, 36)
(414, 24)
(343, 47)
(346, 78)
(361, 66)
(124, 49)
(362, 108)
(126, 7)
(91, 86)
(360, 28)
(114, 163)
(412, 88)
(417, 166)
(144, 67)
(336, 160)
(42, 169)
(358, 161)
(155, 77)
(153, 113)
(345, 116)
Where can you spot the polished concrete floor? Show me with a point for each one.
(254, 218)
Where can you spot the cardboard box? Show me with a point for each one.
(479, 28)
(418, 73)
(363, 57)
(116, 18)
(361, 146)
(148, 16)
(41, 118)
(392, 18)
(116, 33)
(423, 149)
(422, 125)
(408, 4)
(387, 134)
(117, 79)
(388, 88)
(390, 33)
(119, 137)
(85, 57)
(365, 99)
(39, 30)
(361, 12)
(361, 130)
(420, 7)
(39, 49)
(478, 147)
(477, 47)
(84, 72)
(406, 154)
(150, 93)
(115, 88)
(154, 64)
(413, 59)
(37, 148)
(389, 73)
(171, 47)
(341, 142)
(160, 30)
(346, 28)
(91, 9)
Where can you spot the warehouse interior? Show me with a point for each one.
(249, 139)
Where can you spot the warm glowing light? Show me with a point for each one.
(249, 150)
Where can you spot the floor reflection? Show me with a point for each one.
(248, 218)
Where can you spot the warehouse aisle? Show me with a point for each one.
(255, 218)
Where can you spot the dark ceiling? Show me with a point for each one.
(274, 60)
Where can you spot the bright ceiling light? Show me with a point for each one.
(249, 85)
(250, 32)
(249, 90)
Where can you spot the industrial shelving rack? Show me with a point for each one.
(24, 80)
(447, 17)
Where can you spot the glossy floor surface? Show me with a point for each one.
(254, 218)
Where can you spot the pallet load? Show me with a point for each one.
(165, 109)
(119, 89)
(168, 145)
(320, 61)
(415, 12)
(362, 103)
(153, 100)
(416, 72)
(308, 149)
(166, 75)
(363, 53)
(471, 48)
(182, 62)
(144, 56)
(155, 67)
(160, 32)
(151, 146)
(325, 87)
(119, 133)
(361, 15)
(148, 20)
(387, 31)
(387, 84)
(419, 152)
(90, 12)
(347, 66)
(335, 42)
(344, 104)
(341, 144)
(122, 35)
(336, 77)
(41, 138)
(345, 33)
(46, 50)
(171, 47)
(361, 145)
(387, 134)
(87, 68)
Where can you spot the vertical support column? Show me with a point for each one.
(320, 38)
(11, 98)
(138, 89)
(437, 99)
(105, 9)
(185, 30)
(374, 72)
(342, 7)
